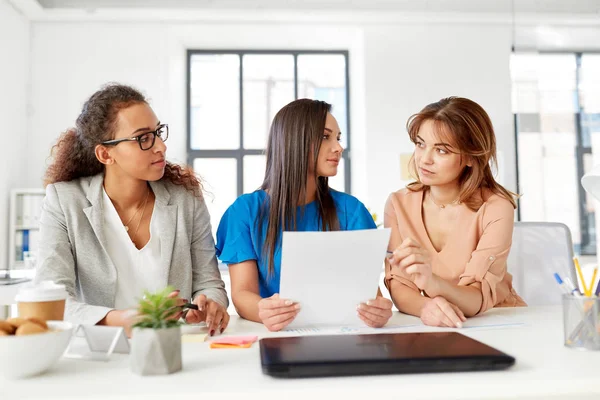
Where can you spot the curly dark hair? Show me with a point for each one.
(73, 155)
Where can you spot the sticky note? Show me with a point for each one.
(233, 342)
(193, 338)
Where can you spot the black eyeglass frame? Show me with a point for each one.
(138, 138)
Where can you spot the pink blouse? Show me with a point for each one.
(475, 254)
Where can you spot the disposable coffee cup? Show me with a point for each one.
(44, 300)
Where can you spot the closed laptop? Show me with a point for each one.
(374, 354)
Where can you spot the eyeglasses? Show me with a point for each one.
(145, 140)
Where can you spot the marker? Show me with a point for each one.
(571, 287)
(561, 283)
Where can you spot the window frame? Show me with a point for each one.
(587, 245)
(239, 153)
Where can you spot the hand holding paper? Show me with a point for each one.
(375, 313)
(276, 313)
(331, 273)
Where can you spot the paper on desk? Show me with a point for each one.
(490, 321)
(355, 329)
(330, 273)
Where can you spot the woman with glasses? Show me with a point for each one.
(303, 151)
(119, 219)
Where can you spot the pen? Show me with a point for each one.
(190, 305)
(572, 288)
(568, 288)
(561, 284)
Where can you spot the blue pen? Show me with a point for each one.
(562, 285)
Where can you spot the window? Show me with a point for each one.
(556, 106)
(232, 99)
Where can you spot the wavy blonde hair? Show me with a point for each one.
(464, 124)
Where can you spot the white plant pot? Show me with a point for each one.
(155, 351)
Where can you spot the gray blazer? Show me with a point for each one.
(72, 248)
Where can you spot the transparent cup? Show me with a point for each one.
(581, 322)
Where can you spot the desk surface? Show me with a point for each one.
(544, 369)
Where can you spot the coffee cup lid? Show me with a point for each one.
(41, 291)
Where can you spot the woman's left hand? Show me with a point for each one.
(412, 262)
(375, 313)
(213, 313)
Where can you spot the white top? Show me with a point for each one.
(544, 369)
(137, 270)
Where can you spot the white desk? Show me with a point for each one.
(545, 369)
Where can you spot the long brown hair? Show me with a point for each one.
(73, 155)
(467, 126)
(294, 143)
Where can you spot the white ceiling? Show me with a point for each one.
(589, 7)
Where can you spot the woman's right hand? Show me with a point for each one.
(178, 303)
(440, 312)
(276, 313)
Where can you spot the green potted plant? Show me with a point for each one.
(156, 336)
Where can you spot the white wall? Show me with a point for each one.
(14, 74)
(408, 67)
(71, 60)
(397, 66)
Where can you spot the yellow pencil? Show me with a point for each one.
(593, 280)
(578, 268)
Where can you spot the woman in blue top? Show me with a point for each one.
(303, 150)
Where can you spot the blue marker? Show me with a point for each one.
(565, 286)
(560, 282)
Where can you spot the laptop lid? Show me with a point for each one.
(337, 355)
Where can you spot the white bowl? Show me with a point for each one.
(28, 355)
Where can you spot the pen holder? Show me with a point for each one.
(581, 322)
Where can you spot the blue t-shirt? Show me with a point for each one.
(239, 239)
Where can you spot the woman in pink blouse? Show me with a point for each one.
(452, 227)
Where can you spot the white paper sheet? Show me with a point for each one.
(330, 273)
(349, 330)
(491, 321)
